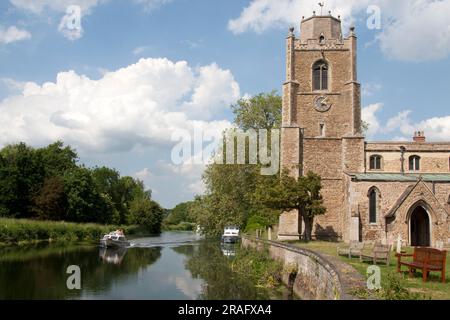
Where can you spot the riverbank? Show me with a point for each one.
(311, 275)
(390, 279)
(21, 231)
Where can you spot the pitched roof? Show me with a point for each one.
(400, 200)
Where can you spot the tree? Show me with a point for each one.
(229, 197)
(21, 175)
(84, 202)
(57, 159)
(146, 213)
(289, 193)
(179, 214)
(262, 111)
(50, 202)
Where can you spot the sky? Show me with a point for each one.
(119, 79)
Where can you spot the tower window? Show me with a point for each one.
(322, 39)
(322, 130)
(414, 163)
(373, 205)
(375, 162)
(320, 75)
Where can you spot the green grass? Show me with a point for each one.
(21, 231)
(433, 289)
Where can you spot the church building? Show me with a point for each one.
(373, 191)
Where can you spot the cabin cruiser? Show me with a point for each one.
(115, 239)
(230, 234)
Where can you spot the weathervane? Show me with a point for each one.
(321, 4)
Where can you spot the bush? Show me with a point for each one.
(258, 266)
(394, 289)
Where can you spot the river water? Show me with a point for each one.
(175, 265)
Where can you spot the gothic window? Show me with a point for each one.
(375, 162)
(373, 205)
(414, 163)
(320, 75)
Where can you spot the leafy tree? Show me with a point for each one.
(230, 189)
(146, 213)
(84, 202)
(262, 111)
(57, 159)
(50, 202)
(289, 193)
(21, 175)
(179, 214)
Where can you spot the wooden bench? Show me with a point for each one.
(425, 259)
(354, 249)
(380, 252)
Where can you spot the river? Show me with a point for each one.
(172, 266)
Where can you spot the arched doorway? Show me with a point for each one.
(420, 228)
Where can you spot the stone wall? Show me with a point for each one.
(316, 277)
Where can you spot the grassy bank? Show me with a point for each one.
(20, 231)
(259, 267)
(390, 279)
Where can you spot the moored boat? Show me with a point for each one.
(230, 234)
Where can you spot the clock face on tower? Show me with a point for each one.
(322, 104)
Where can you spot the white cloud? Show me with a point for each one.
(368, 115)
(144, 175)
(369, 89)
(70, 24)
(420, 32)
(140, 105)
(412, 30)
(436, 129)
(402, 126)
(215, 89)
(39, 6)
(139, 50)
(150, 5)
(13, 34)
(13, 85)
(401, 120)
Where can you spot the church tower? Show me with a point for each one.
(321, 127)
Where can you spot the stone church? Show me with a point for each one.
(373, 191)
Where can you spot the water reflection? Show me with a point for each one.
(228, 249)
(112, 255)
(155, 268)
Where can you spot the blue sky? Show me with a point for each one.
(403, 67)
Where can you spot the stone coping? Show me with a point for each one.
(346, 278)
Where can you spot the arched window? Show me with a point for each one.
(320, 75)
(373, 205)
(375, 162)
(414, 163)
(322, 39)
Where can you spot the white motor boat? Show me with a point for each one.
(115, 239)
(230, 234)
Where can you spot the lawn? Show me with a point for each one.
(433, 289)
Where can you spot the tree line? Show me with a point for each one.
(48, 184)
